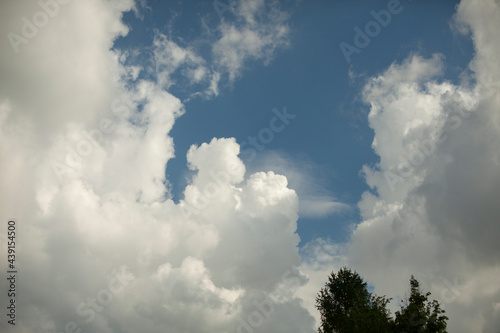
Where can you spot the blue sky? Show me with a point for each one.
(177, 167)
(330, 137)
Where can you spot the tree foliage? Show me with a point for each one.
(346, 306)
(418, 314)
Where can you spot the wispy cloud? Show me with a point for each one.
(306, 178)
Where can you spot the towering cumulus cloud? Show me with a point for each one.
(102, 247)
(434, 210)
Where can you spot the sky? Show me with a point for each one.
(203, 166)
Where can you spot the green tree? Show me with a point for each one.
(346, 306)
(418, 314)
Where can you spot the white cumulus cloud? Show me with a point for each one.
(84, 146)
